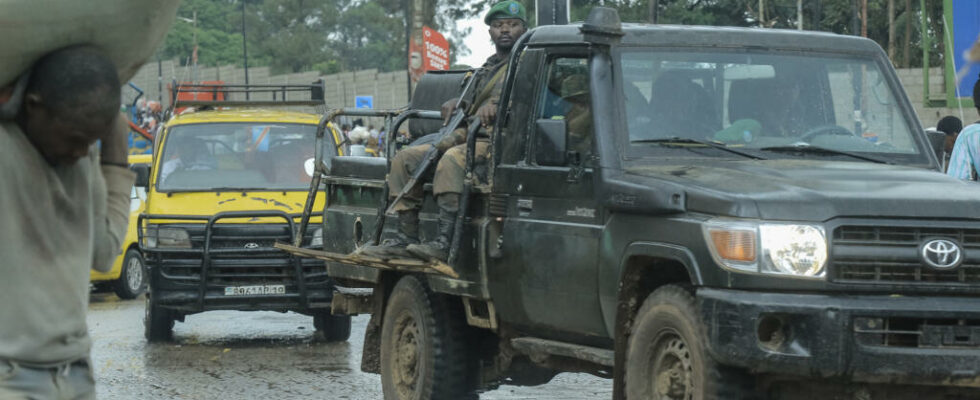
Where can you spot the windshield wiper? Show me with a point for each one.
(237, 189)
(674, 140)
(811, 149)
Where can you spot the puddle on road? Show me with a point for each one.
(254, 355)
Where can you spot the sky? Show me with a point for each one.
(478, 41)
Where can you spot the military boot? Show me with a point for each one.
(438, 248)
(395, 246)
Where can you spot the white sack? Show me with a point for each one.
(128, 30)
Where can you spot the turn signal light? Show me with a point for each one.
(734, 245)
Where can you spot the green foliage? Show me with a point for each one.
(218, 36)
(368, 35)
(345, 35)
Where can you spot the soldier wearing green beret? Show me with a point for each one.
(507, 21)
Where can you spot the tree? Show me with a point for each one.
(219, 41)
(369, 35)
(290, 35)
(346, 35)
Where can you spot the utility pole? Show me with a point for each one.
(407, 6)
(908, 34)
(159, 79)
(244, 48)
(654, 5)
(762, 13)
(799, 14)
(194, 77)
(856, 18)
(891, 30)
(864, 18)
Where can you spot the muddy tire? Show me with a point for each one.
(158, 323)
(423, 346)
(667, 358)
(132, 280)
(331, 328)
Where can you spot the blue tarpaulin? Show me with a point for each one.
(966, 27)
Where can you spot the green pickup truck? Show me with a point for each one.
(744, 213)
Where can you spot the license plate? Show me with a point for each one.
(252, 290)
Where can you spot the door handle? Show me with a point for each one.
(525, 205)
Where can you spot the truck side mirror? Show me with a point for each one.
(551, 142)
(937, 141)
(142, 175)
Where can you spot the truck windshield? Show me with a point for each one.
(254, 156)
(762, 104)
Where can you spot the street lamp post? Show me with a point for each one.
(244, 48)
(194, 78)
(193, 23)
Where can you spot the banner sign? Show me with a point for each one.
(966, 29)
(428, 51)
(436, 55)
(363, 101)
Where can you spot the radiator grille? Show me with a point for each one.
(917, 332)
(870, 254)
(240, 255)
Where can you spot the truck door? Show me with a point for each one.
(545, 274)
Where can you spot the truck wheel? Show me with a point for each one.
(331, 328)
(158, 323)
(667, 359)
(132, 280)
(423, 352)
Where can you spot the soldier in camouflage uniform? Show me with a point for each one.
(507, 21)
(575, 91)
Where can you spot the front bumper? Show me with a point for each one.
(237, 256)
(873, 339)
(191, 301)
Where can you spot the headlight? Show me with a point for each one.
(317, 240)
(164, 237)
(793, 250)
(796, 250)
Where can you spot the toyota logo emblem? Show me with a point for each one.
(251, 245)
(941, 254)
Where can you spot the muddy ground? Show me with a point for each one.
(258, 355)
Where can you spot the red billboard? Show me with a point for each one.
(429, 54)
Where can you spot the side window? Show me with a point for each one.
(566, 98)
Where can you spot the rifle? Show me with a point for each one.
(464, 198)
(433, 153)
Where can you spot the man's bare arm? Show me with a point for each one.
(112, 218)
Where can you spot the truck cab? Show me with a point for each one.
(229, 178)
(693, 212)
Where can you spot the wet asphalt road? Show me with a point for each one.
(257, 355)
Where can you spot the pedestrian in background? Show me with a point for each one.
(65, 210)
(964, 160)
(951, 126)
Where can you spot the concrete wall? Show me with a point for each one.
(390, 89)
(912, 81)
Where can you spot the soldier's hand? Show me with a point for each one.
(447, 109)
(453, 138)
(487, 113)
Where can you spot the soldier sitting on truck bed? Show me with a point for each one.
(507, 21)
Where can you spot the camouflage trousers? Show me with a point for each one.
(447, 183)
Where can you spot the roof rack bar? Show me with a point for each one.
(248, 103)
(279, 93)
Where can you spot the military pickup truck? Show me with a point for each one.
(742, 213)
